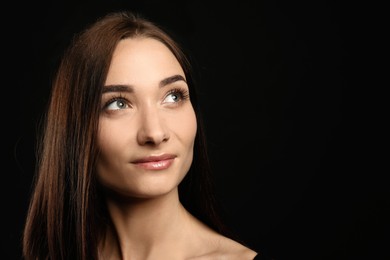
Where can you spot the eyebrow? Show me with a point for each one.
(130, 88)
(118, 88)
(171, 80)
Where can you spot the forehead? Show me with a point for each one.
(140, 58)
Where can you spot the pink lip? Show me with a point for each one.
(155, 162)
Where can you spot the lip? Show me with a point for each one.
(155, 163)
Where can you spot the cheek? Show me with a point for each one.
(189, 128)
(106, 141)
(111, 139)
(186, 132)
(186, 127)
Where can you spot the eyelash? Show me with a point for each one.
(114, 99)
(182, 93)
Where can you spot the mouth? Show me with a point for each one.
(155, 162)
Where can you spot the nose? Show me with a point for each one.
(152, 127)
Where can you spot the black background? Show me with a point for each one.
(291, 108)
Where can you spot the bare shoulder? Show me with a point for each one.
(207, 244)
(232, 250)
(228, 249)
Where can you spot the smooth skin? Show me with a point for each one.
(146, 138)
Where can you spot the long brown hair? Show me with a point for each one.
(67, 216)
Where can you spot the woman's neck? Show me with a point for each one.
(147, 226)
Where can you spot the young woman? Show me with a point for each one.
(123, 171)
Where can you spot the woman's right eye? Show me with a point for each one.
(116, 104)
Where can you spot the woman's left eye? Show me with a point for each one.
(176, 96)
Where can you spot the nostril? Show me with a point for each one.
(149, 142)
(152, 138)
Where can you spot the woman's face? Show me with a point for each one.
(147, 124)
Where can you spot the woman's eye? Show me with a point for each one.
(117, 104)
(175, 96)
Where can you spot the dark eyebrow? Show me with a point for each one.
(118, 88)
(130, 89)
(170, 80)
